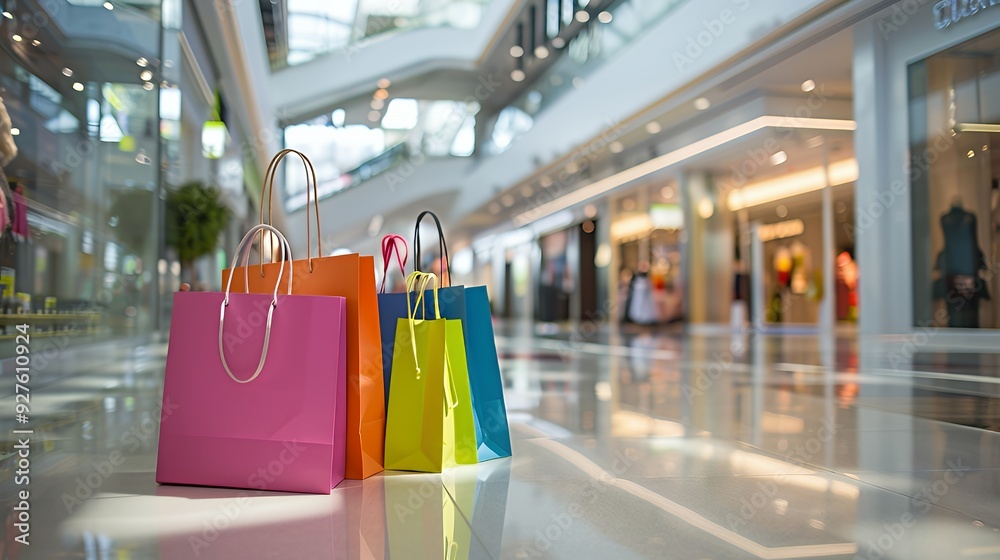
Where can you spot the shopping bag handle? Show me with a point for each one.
(390, 244)
(268, 191)
(411, 312)
(243, 250)
(442, 247)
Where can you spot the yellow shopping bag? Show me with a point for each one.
(429, 422)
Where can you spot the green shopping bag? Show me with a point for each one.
(429, 420)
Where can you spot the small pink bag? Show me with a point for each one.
(255, 396)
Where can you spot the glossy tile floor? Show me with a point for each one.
(626, 446)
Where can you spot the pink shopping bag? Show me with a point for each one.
(256, 388)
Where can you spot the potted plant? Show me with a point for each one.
(196, 217)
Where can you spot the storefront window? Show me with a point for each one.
(954, 101)
(86, 240)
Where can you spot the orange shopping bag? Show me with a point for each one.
(352, 277)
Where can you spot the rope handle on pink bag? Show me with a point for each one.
(390, 245)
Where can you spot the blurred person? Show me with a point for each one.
(8, 150)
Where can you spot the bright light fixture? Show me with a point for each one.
(148, 86)
(141, 62)
(77, 86)
(653, 127)
(582, 16)
(384, 83)
(17, 38)
(604, 17)
(616, 147)
(67, 72)
(36, 42)
(14, 131)
(8, 15)
(702, 103)
(517, 75)
(541, 51)
(681, 154)
(779, 157)
(808, 86)
(109, 6)
(977, 127)
(516, 51)
(146, 75)
(558, 42)
(792, 184)
(705, 208)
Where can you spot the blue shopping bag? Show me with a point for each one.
(471, 305)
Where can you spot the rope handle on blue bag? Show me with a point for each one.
(390, 245)
(243, 250)
(442, 247)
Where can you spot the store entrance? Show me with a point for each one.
(791, 233)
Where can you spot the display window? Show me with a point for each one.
(954, 102)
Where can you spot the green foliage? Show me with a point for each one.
(195, 218)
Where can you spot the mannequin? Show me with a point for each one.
(960, 262)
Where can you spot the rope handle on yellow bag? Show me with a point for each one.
(268, 191)
(451, 390)
(411, 312)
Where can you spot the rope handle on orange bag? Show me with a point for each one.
(243, 251)
(268, 192)
(390, 244)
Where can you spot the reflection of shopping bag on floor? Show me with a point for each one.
(422, 519)
(429, 421)
(352, 277)
(471, 305)
(480, 493)
(281, 427)
(365, 514)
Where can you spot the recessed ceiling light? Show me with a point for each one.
(702, 103)
(8, 15)
(808, 85)
(146, 75)
(628, 205)
(653, 127)
(148, 86)
(705, 208)
(381, 93)
(384, 83)
(972, 154)
(378, 104)
(545, 181)
(507, 200)
(590, 210)
(814, 142)
(17, 38)
(67, 72)
(36, 42)
(779, 157)
(517, 75)
(374, 116)
(667, 192)
(516, 51)
(616, 147)
(109, 6)
(781, 211)
(558, 42)
(604, 17)
(141, 61)
(14, 131)
(541, 51)
(494, 208)
(582, 16)
(572, 167)
(527, 191)
(77, 86)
